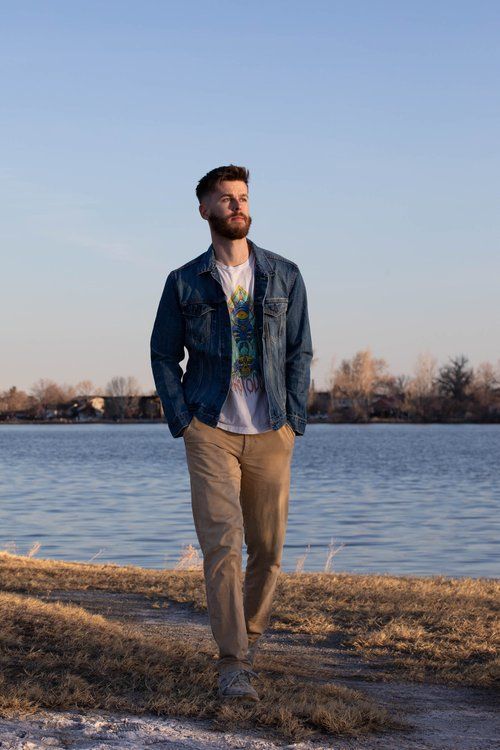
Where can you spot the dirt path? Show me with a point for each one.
(438, 717)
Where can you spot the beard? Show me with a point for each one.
(232, 230)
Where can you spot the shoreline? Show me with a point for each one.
(337, 571)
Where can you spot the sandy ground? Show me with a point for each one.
(437, 717)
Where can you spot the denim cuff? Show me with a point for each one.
(178, 423)
(298, 423)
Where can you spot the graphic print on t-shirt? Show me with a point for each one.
(246, 376)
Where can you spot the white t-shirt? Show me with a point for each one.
(246, 407)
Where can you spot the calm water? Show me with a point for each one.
(403, 499)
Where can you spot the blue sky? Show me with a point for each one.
(371, 131)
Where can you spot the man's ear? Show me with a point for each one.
(203, 211)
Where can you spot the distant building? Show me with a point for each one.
(150, 407)
(89, 409)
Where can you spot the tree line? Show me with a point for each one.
(360, 389)
(121, 398)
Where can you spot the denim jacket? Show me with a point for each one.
(193, 313)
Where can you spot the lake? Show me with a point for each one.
(402, 499)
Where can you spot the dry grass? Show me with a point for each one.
(438, 629)
(59, 656)
(422, 629)
(190, 559)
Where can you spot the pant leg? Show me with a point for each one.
(265, 490)
(215, 477)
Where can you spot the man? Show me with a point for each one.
(241, 312)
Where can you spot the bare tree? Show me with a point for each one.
(47, 392)
(454, 379)
(14, 400)
(398, 384)
(124, 393)
(486, 378)
(358, 379)
(421, 389)
(86, 388)
(424, 375)
(486, 389)
(68, 392)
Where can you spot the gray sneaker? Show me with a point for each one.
(236, 684)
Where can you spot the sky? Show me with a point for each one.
(371, 131)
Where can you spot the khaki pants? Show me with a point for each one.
(239, 489)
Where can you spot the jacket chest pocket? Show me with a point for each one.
(198, 317)
(275, 318)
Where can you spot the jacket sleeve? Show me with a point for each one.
(298, 356)
(167, 351)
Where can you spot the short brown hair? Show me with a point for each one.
(212, 178)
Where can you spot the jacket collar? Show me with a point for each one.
(207, 261)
